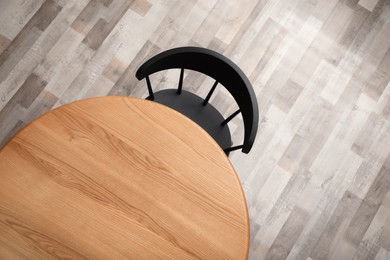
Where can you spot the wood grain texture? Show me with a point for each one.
(320, 70)
(102, 187)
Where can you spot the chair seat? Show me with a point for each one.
(191, 106)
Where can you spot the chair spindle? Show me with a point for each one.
(231, 117)
(151, 95)
(227, 150)
(180, 81)
(210, 93)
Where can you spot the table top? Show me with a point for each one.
(119, 177)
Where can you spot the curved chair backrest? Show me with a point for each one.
(218, 67)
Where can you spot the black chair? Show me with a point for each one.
(224, 72)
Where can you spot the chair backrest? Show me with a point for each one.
(221, 69)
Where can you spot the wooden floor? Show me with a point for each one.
(317, 180)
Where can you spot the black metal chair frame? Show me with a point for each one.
(223, 71)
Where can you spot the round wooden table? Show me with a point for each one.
(119, 177)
